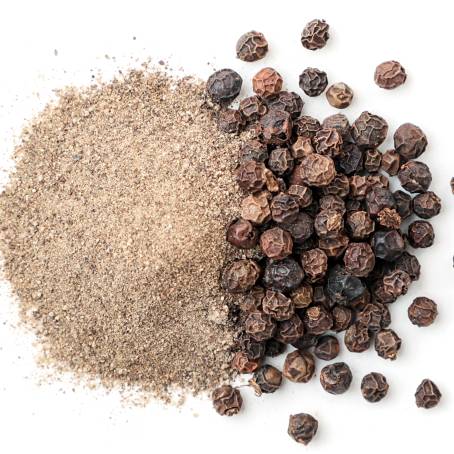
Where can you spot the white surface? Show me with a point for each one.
(65, 418)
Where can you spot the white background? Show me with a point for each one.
(64, 417)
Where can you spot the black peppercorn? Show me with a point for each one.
(252, 301)
(280, 161)
(276, 243)
(266, 380)
(357, 338)
(242, 234)
(410, 264)
(274, 348)
(289, 101)
(289, 331)
(253, 150)
(275, 127)
(256, 208)
(301, 229)
(342, 318)
(427, 394)
(328, 142)
(240, 276)
(327, 348)
(359, 225)
(299, 366)
(251, 46)
(283, 275)
(374, 387)
(359, 259)
(390, 162)
(267, 82)
(284, 208)
(302, 427)
(427, 205)
(409, 141)
(388, 245)
(307, 126)
(390, 74)
(404, 204)
(317, 320)
(277, 305)
(422, 311)
(315, 264)
(339, 95)
(313, 81)
(415, 176)
(315, 34)
(260, 326)
(369, 130)
(387, 344)
(342, 287)
(374, 316)
(224, 86)
(421, 234)
(231, 121)
(252, 108)
(244, 364)
(227, 400)
(336, 378)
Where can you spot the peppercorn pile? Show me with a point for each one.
(324, 250)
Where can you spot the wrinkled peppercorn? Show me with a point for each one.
(284, 208)
(251, 176)
(374, 387)
(372, 160)
(328, 223)
(332, 202)
(302, 194)
(351, 159)
(280, 161)
(390, 162)
(266, 380)
(276, 243)
(334, 246)
(315, 264)
(260, 326)
(427, 205)
(317, 320)
(388, 245)
(283, 275)
(339, 95)
(342, 287)
(358, 187)
(390, 74)
(227, 400)
(289, 331)
(302, 427)
(240, 276)
(267, 82)
(302, 297)
(427, 394)
(307, 126)
(387, 344)
(274, 348)
(299, 366)
(328, 142)
(396, 283)
(404, 204)
(315, 34)
(340, 122)
(342, 318)
(415, 176)
(251, 46)
(305, 342)
(369, 130)
(421, 234)
(377, 199)
(317, 170)
(243, 364)
(381, 294)
(339, 186)
(302, 147)
(313, 81)
(289, 101)
(374, 316)
(242, 234)
(389, 218)
(357, 338)
(231, 121)
(301, 229)
(253, 150)
(327, 348)
(252, 301)
(256, 208)
(252, 108)
(409, 141)
(410, 264)
(254, 350)
(223, 86)
(359, 259)
(277, 305)
(275, 127)
(359, 225)
(422, 311)
(336, 378)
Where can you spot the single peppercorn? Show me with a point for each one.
(289, 101)
(317, 320)
(301, 229)
(251, 46)
(389, 218)
(415, 176)
(351, 159)
(332, 202)
(299, 366)
(275, 127)
(427, 205)
(336, 378)
(387, 344)
(420, 234)
(334, 246)
(328, 142)
(359, 225)
(328, 223)
(284, 208)
(274, 348)
(388, 245)
(359, 259)
(404, 204)
(256, 208)
(315, 264)
(313, 81)
(266, 380)
(342, 287)
(342, 318)
(276, 243)
(372, 160)
(227, 400)
(317, 170)
(267, 82)
(410, 264)
(396, 283)
(223, 86)
(277, 305)
(302, 194)
(327, 348)
(358, 187)
(260, 326)
(390, 162)
(339, 95)
(283, 275)
(253, 150)
(252, 301)
(374, 387)
(231, 121)
(243, 364)
(305, 342)
(315, 34)
(242, 234)
(357, 338)
(240, 276)
(302, 147)
(409, 141)
(374, 316)
(307, 126)
(369, 130)
(390, 74)
(280, 161)
(253, 349)
(302, 427)
(252, 108)
(377, 199)
(251, 176)
(289, 331)
(422, 311)
(427, 394)
(302, 297)
(340, 122)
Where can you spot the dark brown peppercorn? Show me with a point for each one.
(277, 305)
(351, 159)
(276, 243)
(280, 161)
(240, 276)
(251, 176)
(276, 127)
(267, 82)
(313, 81)
(421, 234)
(302, 147)
(358, 187)
(242, 234)
(299, 366)
(256, 208)
(243, 364)
(339, 186)
(251, 46)
(381, 294)
(302, 427)
(289, 331)
(252, 108)
(302, 297)
(410, 264)
(315, 34)
(253, 150)
(374, 387)
(354, 205)
(336, 378)
(377, 199)
(390, 74)
(359, 225)
(301, 229)
(289, 101)
(373, 160)
(317, 320)
(404, 204)
(305, 342)
(328, 142)
(283, 275)
(388, 245)
(274, 348)
(415, 176)
(328, 223)
(387, 344)
(317, 170)
(342, 317)
(252, 301)
(390, 162)
(334, 246)
(307, 126)
(315, 264)
(359, 259)
(340, 122)
(374, 316)
(409, 141)
(427, 394)
(327, 348)
(396, 283)
(223, 86)
(227, 400)
(357, 338)
(427, 205)
(266, 380)
(389, 218)
(339, 95)
(332, 202)
(302, 194)
(422, 312)
(231, 121)
(284, 208)
(369, 130)
(342, 287)
(260, 326)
